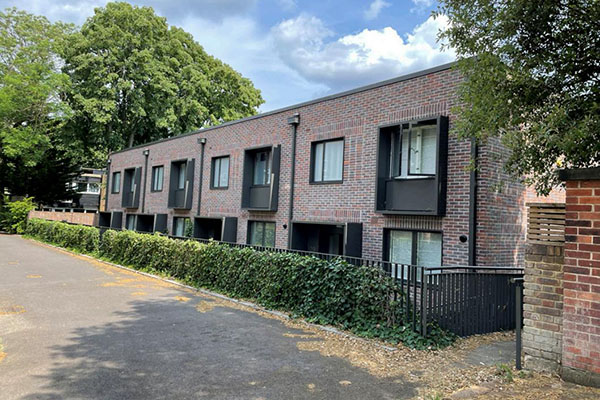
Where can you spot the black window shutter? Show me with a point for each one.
(275, 178)
(137, 187)
(189, 184)
(353, 240)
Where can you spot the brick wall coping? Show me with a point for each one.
(306, 103)
(579, 174)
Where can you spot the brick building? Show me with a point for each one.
(371, 172)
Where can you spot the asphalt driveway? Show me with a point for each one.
(72, 328)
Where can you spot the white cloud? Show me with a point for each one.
(422, 5)
(375, 8)
(288, 5)
(365, 57)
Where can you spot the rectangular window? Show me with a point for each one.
(328, 161)
(415, 248)
(220, 173)
(130, 222)
(182, 227)
(261, 233)
(422, 151)
(413, 149)
(261, 171)
(93, 188)
(116, 182)
(181, 174)
(158, 173)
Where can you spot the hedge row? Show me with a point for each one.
(356, 298)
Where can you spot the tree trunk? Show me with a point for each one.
(131, 139)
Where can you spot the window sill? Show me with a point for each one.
(411, 177)
(326, 182)
(219, 188)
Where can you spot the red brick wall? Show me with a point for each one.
(356, 117)
(581, 312)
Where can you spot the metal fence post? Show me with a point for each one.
(518, 319)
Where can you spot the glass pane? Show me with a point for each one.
(395, 154)
(318, 167)
(94, 188)
(334, 161)
(116, 181)
(179, 226)
(216, 166)
(256, 233)
(423, 149)
(82, 187)
(261, 173)
(429, 249)
(401, 247)
(131, 181)
(224, 172)
(158, 178)
(181, 176)
(130, 223)
(269, 234)
(404, 154)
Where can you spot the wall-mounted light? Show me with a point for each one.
(109, 161)
(294, 119)
(463, 238)
(146, 152)
(202, 140)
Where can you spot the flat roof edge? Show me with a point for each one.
(375, 85)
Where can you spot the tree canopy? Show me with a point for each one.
(532, 74)
(135, 79)
(31, 113)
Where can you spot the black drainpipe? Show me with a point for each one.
(202, 141)
(146, 153)
(294, 121)
(473, 205)
(107, 190)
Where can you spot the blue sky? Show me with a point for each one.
(295, 50)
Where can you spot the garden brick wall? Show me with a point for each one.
(581, 313)
(562, 299)
(542, 307)
(356, 117)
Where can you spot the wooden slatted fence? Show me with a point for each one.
(546, 223)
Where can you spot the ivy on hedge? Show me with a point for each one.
(357, 298)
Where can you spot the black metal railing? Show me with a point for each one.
(465, 300)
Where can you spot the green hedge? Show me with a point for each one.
(356, 298)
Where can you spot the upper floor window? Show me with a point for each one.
(327, 161)
(180, 169)
(413, 149)
(220, 173)
(116, 182)
(261, 168)
(261, 233)
(87, 187)
(158, 173)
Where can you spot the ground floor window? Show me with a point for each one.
(130, 222)
(415, 248)
(182, 227)
(261, 233)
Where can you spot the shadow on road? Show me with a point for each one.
(166, 349)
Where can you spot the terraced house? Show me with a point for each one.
(373, 172)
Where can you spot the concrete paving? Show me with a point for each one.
(72, 328)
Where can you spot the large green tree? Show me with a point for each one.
(532, 72)
(135, 79)
(31, 113)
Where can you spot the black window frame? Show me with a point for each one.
(269, 152)
(414, 246)
(134, 218)
(213, 171)
(249, 232)
(162, 183)
(313, 147)
(112, 185)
